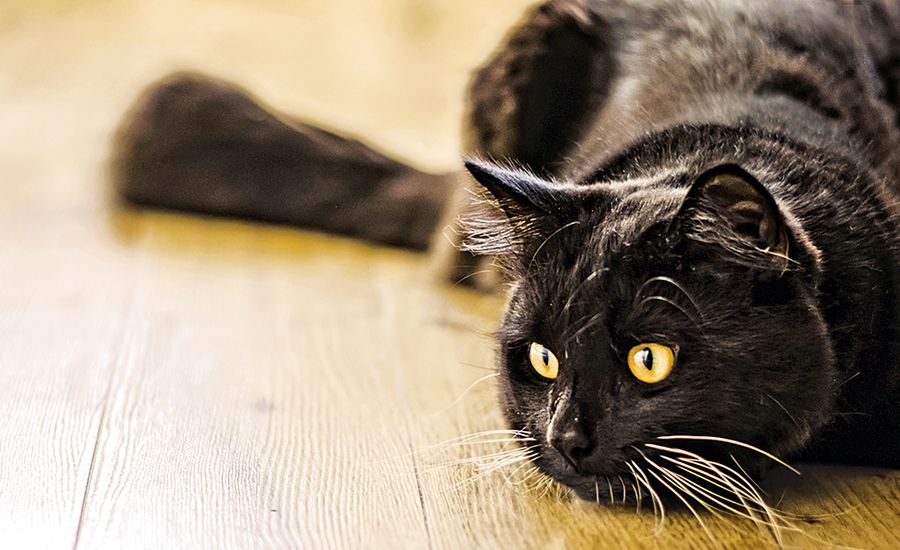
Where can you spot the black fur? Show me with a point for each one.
(785, 313)
(202, 145)
(720, 176)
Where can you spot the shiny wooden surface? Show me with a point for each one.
(176, 382)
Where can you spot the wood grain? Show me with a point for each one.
(177, 382)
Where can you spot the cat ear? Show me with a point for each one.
(728, 206)
(531, 207)
(516, 191)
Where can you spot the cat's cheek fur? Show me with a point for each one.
(763, 372)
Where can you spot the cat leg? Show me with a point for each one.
(197, 144)
(530, 102)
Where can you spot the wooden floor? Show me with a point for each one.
(175, 382)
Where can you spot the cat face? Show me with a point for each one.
(645, 310)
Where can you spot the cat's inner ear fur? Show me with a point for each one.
(518, 207)
(728, 206)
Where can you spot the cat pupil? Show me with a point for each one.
(545, 356)
(647, 359)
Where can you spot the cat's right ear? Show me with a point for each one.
(529, 208)
(729, 208)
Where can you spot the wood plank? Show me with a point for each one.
(61, 304)
(255, 399)
(179, 383)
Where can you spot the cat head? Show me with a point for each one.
(678, 305)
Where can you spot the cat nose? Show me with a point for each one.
(573, 444)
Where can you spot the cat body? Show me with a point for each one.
(717, 180)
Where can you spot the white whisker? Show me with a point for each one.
(750, 492)
(686, 503)
(460, 398)
(768, 455)
(654, 497)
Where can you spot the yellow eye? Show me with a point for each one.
(651, 363)
(544, 362)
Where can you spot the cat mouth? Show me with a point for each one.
(664, 470)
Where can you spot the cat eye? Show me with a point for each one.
(651, 363)
(543, 361)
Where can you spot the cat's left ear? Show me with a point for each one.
(532, 208)
(729, 207)
(518, 192)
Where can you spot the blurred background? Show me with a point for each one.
(392, 71)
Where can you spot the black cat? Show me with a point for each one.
(696, 204)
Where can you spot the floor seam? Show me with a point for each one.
(104, 413)
(419, 486)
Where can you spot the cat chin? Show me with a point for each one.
(602, 490)
(595, 487)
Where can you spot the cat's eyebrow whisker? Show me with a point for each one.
(578, 288)
(588, 325)
(676, 305)
(477, 366)
(766, 454)
(549, 237)
(577, 325)
(673, 282)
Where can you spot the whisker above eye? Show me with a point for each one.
(578, 288)
(674, 283)
(592, 320)
(637, 308)
(549, 237)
